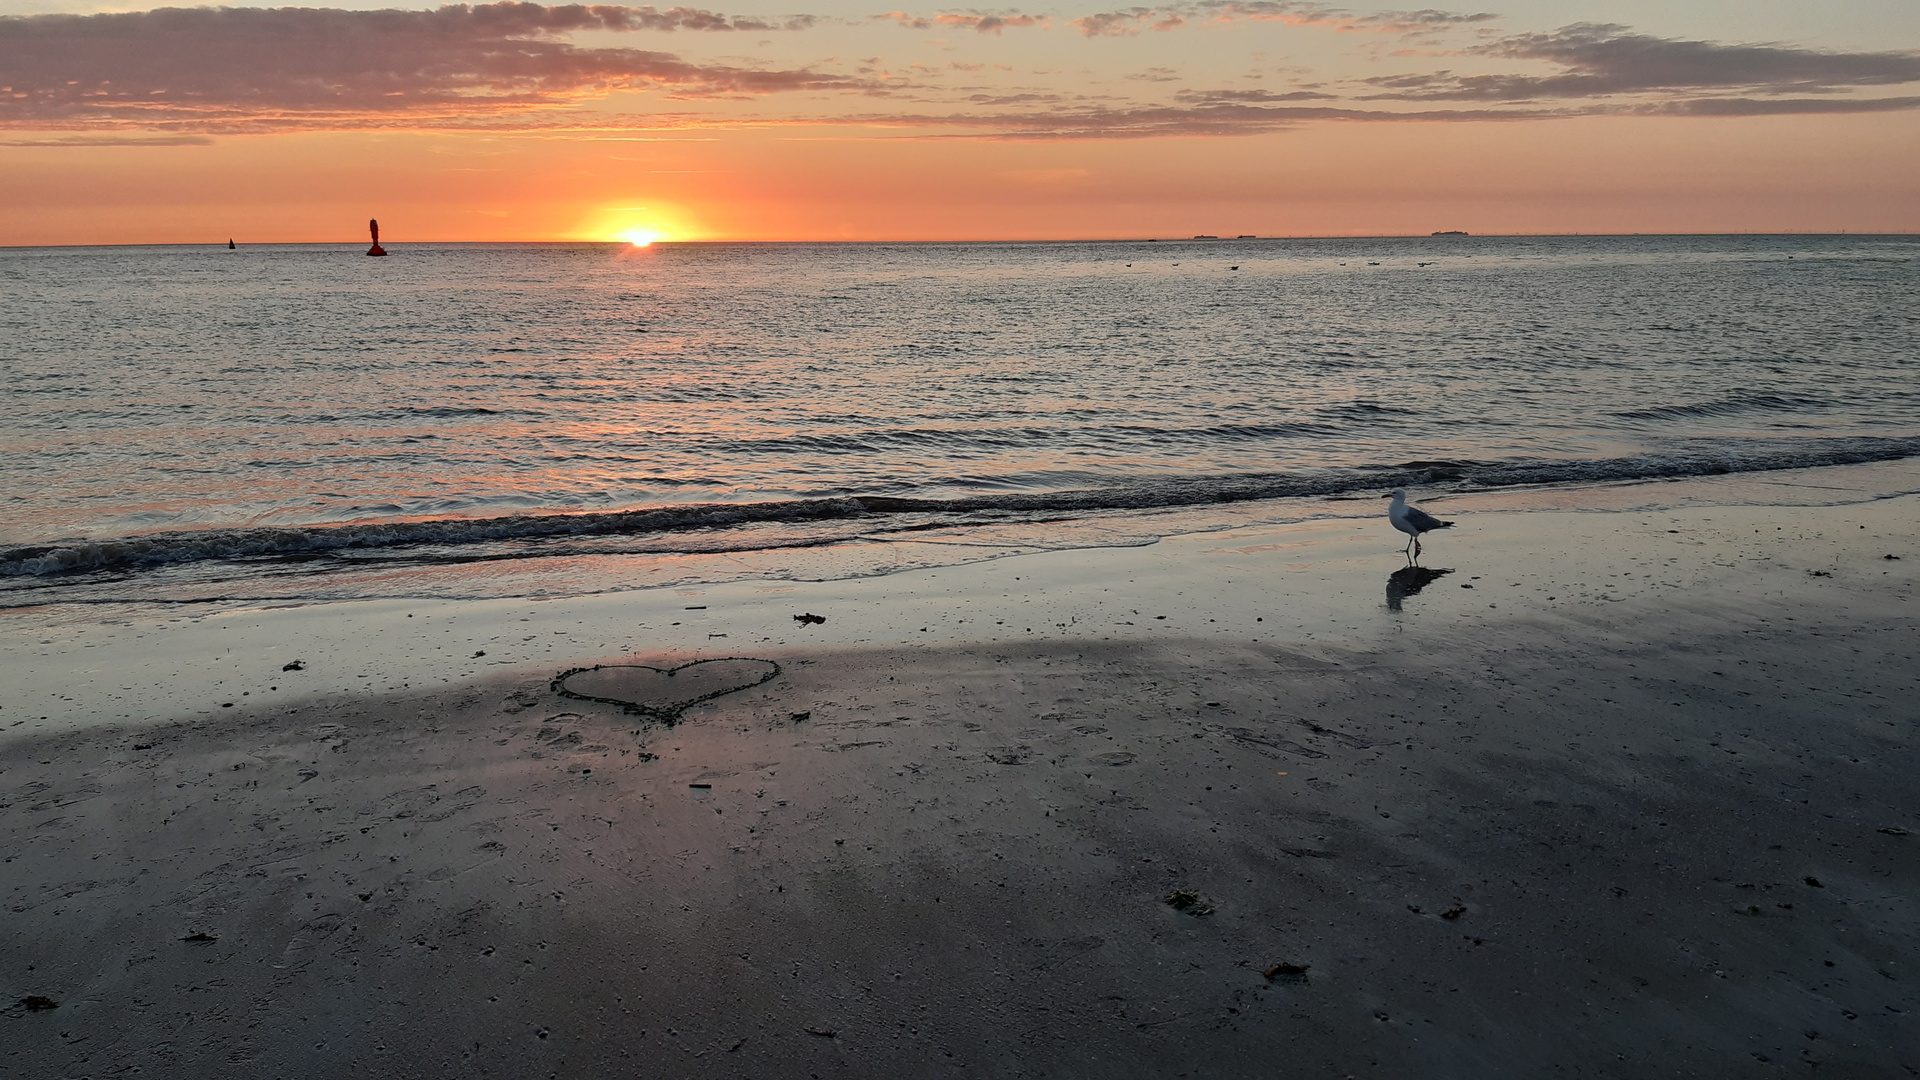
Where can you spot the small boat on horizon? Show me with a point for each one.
(1452, 232)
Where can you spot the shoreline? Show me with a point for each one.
(1298, 580)
(1613, 810)
(1141, 510)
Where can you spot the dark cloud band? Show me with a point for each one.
(179, 73)
(221, 63)
(1294, 12)
(1599, 60)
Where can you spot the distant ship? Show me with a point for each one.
(1205, 237)
(1246, 236)
(229, 243)
(1452, 232)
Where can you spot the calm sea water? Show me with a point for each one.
(302, 421)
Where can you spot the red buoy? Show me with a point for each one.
(376, 249)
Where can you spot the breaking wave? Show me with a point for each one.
(132, 552)
(1726, 407)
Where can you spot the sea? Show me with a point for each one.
(277, 424)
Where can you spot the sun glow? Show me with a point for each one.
(637, 226)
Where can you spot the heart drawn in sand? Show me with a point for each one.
(663, 693)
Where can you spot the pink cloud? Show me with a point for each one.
(223, 65)
(1604, 60)
(181, 74)
(984, 22)
(1292, 12)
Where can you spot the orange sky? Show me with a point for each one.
(1478, 125)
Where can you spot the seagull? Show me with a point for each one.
(1412, 520)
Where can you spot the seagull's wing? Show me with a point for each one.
(1424, 521)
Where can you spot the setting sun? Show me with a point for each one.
(640, 226)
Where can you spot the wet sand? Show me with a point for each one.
(1638, 803)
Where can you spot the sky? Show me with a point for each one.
(524, 121)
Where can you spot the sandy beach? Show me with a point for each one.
(1607, 791)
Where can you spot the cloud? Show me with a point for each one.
(82, 141)
(234, 68)
(984, 22)
(1219, 97)
(1200, 120)
(1292, 12)
(184, 73)
(1233, 113)
(1011, 99)
(1599, 60)
(1113, 23)
(1425, 20)
(1778, 106)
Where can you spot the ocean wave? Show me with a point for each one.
(452, 410)
(131, 552)
(973, 438)
(1725, 407)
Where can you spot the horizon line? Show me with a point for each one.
(1201, 238)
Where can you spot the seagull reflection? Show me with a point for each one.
(1408, 581)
